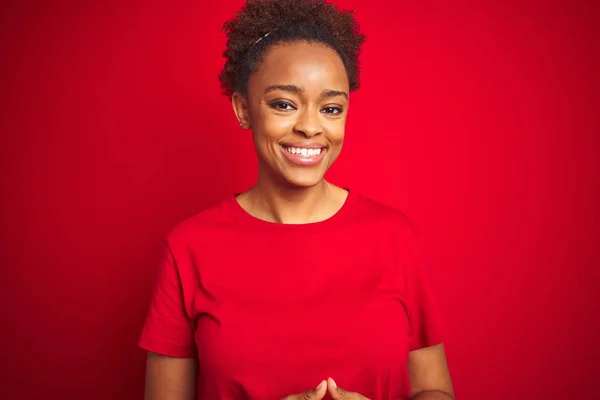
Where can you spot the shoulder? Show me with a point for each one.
(383, 216)
(203, 225)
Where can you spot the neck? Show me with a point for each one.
(274, 202)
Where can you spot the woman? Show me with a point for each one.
(297, 288)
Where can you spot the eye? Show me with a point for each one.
(282, 106)
(332, 110)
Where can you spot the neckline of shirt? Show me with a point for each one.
(247, 219)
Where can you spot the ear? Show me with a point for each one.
(240, 108)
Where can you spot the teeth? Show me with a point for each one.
(303, 152)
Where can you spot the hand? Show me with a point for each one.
(314, 394)
(337, 393)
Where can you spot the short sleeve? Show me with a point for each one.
(167, 329)
(425, 321)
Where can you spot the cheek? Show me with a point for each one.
(337, 141)
(337, 133)
(269, 127)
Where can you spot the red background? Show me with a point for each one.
(479, 119)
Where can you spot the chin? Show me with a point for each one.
(303, 181)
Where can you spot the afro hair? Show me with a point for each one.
(262, 23)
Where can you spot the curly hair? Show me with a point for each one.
(262, 23)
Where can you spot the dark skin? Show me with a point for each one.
(299, 94)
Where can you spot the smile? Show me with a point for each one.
(302, 156)
(303, 152)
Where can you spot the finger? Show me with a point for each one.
(314, 394)
(317, 393)
(335, 392)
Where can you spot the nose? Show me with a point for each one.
(308, 123)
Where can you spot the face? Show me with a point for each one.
(296, 106)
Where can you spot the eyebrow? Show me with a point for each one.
(299, 90)
(333, 93)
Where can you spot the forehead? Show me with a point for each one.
(310, 65)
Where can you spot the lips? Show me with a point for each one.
(304, 154)
(306, 145)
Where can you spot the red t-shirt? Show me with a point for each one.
(272, 309)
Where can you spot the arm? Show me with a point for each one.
(170, 378)
(429, 374)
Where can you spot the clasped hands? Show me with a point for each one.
(328, 386)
